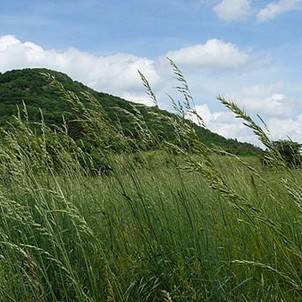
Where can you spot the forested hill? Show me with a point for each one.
(32, 87)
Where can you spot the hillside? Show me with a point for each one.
(32, 87)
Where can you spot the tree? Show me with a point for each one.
(290, 152)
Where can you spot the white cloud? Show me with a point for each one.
(233, 10)
(267, 99)
(214, 54)
(203, 111)
(223, 123)
(238, 10)
(274, 9)
(115, 73)
(286, 128)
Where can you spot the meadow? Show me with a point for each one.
(184, 223)
(155, 229)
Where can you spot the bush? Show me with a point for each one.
(289, 151)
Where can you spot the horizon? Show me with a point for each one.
(245, 50)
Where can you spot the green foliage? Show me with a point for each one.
(290, 152)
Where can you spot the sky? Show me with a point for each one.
(247, 50)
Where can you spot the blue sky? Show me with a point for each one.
(249, 50)
(139, 27)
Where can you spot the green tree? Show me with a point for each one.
(290, 152)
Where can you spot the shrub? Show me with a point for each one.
(288, 151)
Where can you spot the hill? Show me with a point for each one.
(32, 87)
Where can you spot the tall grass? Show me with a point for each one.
(186, 223)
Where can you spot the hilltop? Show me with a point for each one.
(31, 86)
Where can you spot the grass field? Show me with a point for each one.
(154, 230)
(187, 223)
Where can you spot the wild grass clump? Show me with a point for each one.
(182, 223)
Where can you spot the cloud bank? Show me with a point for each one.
(115, 73)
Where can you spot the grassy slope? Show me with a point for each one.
(31, 87)
(197, 226)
